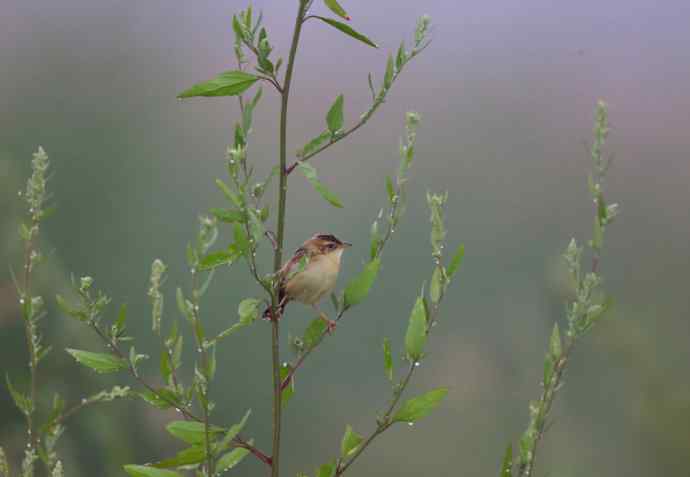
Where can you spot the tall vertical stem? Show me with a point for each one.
(278, 257)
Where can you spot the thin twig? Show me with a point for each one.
(278, 255)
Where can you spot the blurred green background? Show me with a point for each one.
(507, 94)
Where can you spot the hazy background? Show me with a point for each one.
(507, 93)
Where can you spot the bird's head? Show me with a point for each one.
(325, 244)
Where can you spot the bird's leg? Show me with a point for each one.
(330, 324)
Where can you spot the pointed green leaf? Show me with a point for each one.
(191, 432)
(289, 390)
(335, 7)
(313, 333)
(507, 466)
(555, 348)
(20, 400)
(314, 144)
(216, 259)
(335, 118)
(311, 175)
(415, 338)
(400, 57)
(358, 288)
(437, 284)
(228, 215)
(347, 30)
(188, 456)
(231, 459)
(350, 442)
(416, 408)
(248, 310)
(146, 471)
(228, 83)
(456, 261)
(390, 70)
(326, 470)
(390, 189)
(99, 362)
(236, 428)
(388, 359)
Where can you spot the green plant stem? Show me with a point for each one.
(383, 424)
(184, 410)
(26, 299)
(278, 255)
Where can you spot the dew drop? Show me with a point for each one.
(19, 193)
(83, 400)
(410, 424)
(416, 365)
(178, 410)
(21, 301)
(198, 350)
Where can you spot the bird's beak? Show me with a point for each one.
(347, 244)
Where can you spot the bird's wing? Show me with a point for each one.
(290, 267)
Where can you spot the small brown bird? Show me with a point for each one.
(311, 273)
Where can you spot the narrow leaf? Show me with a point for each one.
(189, 456)
(347, 30)
(216, 259)
(335, 7)
(420, 406)
(334, 118)
(390, 70)
(228, 215)
(311, 175)
(313, 332)
(326, 470)
(350, 442)
(190, 432)
(231, 459)
(228, 83)
(388, 359)
(415, 338)
(146, 471)
(555, 347)
(99, 362)
(358, 288)
(314, 144)
(456, 261)
(507, 465)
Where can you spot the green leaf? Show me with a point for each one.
(358, 288)
(419, 407)
(350, 442)
(289, 390)
(231, 459)
(241, 240)
(390, 70)
(334, 118)
(165, 365)
(507, 466)
(326, 470)
(248, 114)
(314, 144)
(400, 57)
(189, 456)
(456, 261)
(415, 338)
(335, 7)
(437, 284)
(230, 195)
(311, 175)
(228, 215)
(228, 83)
(555, 348)
(248, 309)
(390, 189)
(236, 428)
(146, 471)
(388, 359)
(191, 432)
(162, 399)
(216, 259)
(347, 30)
(99, 362)
(313, 333)
(20, 400)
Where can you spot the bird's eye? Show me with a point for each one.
(330, 246)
